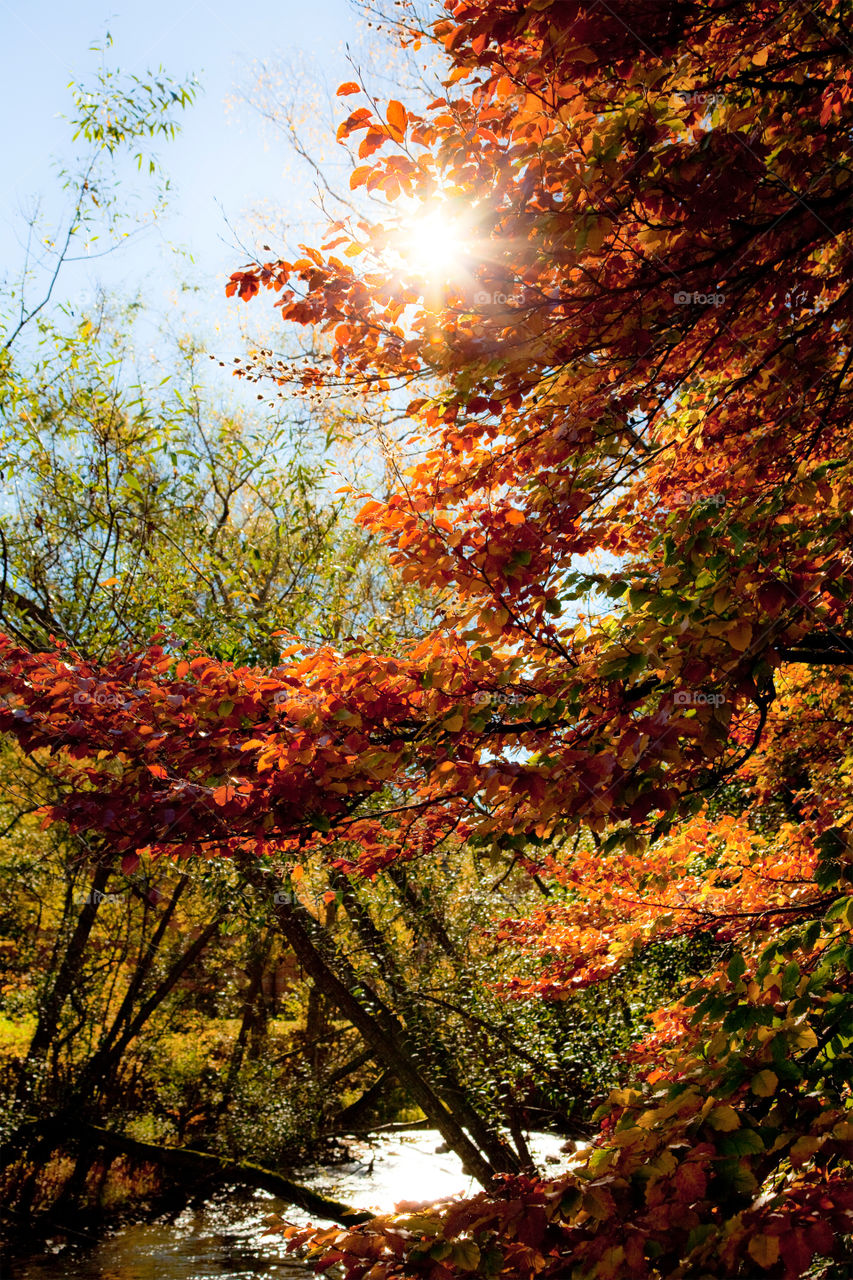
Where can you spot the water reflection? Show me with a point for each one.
(228, 1235)
(225, 1237)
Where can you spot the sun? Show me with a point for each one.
(432, 243)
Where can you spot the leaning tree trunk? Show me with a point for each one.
(50, 1010)
(424, 1034)
(377, 1025)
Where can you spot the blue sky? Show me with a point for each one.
(223, 164)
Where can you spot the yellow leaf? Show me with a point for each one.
(802, 1151)
(764, 1249)
(764, 1084)
(598, 233)
(724, 1119)
(454, 724)
(624, 1097)
(805, 1039)
(597, 1204)
(760, 59)
(739, 635)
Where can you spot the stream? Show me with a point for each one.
(228, 1235)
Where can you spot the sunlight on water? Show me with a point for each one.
(228, 1236)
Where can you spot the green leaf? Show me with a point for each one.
(764, 1084)
(742, 1142)
(699, 1235)
(570, 1202)
(739, 1177)
(465, 1254)
(790, 978)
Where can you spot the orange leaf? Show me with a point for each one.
(397, 117)
(739, 635)
(349, 86)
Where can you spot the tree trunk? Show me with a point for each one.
(420, 910)
(51, 1006)
(105, 1060)
(424, 1035)
(376, 1024)
(143, 968)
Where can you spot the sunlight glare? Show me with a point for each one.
(433, 245)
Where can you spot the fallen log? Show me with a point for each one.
(395, 1126)
(222, 1169)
